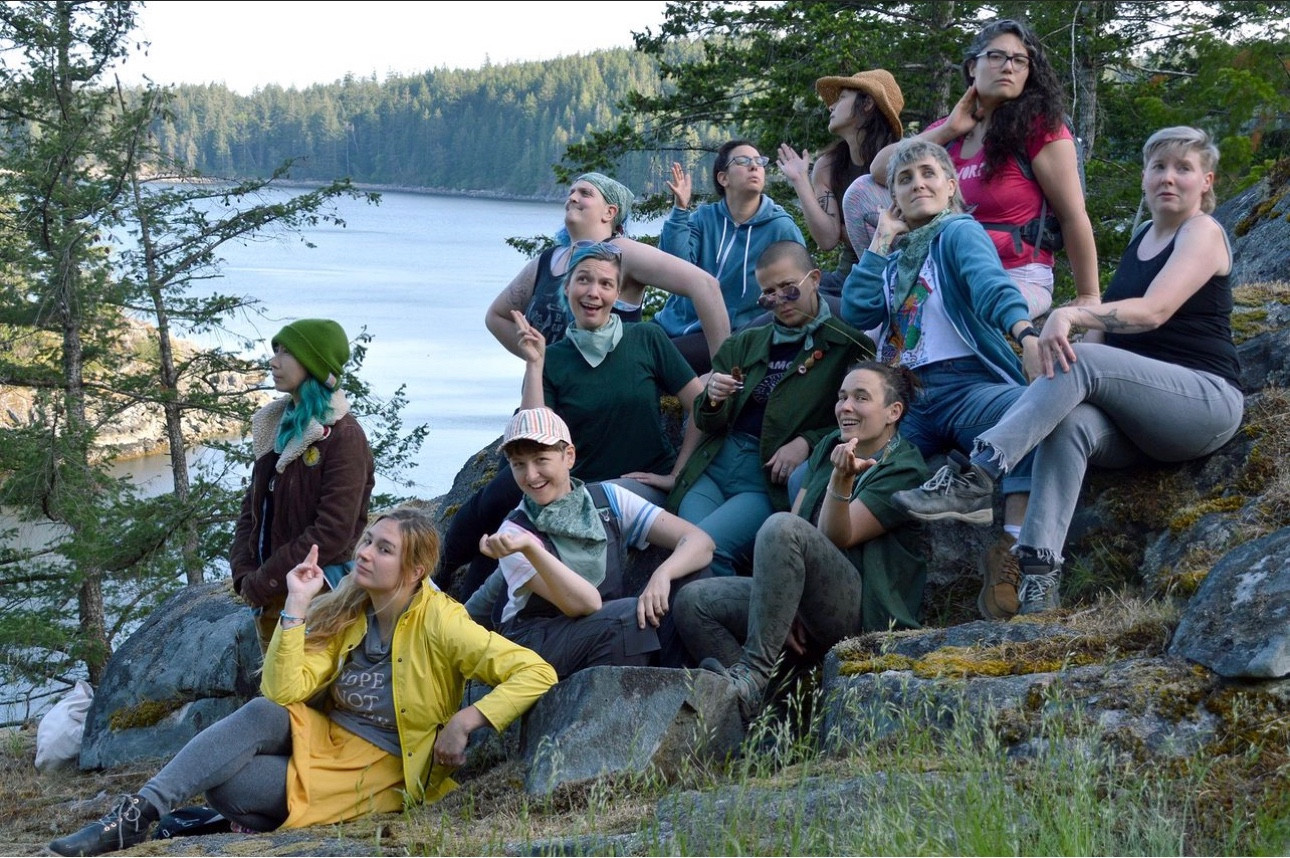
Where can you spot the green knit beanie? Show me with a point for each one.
(320, 345)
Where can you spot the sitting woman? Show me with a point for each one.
(597, 210)
(313, 472)
(724, 238)
(845, 561)
(1016, 162)
(944, 304)
(864, 113)
(1156, 377)
(383, 634)
(766, 405)
(605, 378)
(563, 553)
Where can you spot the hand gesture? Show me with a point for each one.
(680, 187)
(786, 459)
(794, 167)
(306, 578)
(532, 344)
(663, 482)
(966, 114)
(652, 606)
(721, 387)
(846, 463)
(891, 225)
(1054, 343)
(499, 545)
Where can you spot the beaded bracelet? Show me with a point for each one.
(285, 617)
(837, 496)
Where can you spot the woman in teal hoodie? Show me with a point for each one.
(724, 238)
(944, 305)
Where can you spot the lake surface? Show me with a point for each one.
(419, 271)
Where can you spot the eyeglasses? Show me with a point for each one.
(999, 59)
(748, 161)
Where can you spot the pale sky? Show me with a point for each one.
(248, 44)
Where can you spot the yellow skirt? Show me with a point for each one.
(334, 775)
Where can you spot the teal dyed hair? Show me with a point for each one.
(313, 403)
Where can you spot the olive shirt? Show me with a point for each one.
(612, 409)
(892, 567)
(801, 404)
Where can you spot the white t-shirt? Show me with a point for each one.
(635, 518)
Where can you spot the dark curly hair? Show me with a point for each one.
(1013, 122)
(723, 162)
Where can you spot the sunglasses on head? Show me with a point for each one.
(604, 246)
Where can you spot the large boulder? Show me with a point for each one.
(1258, 221)
(616, 720)
(193, 661)
(1238, 622)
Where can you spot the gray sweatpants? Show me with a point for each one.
(239, 762)
(797, 572)
(1113, 409)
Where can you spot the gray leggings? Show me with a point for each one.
(239, 762)
(1113, 409)
(797, 573)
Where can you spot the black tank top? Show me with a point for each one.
(1197, 336)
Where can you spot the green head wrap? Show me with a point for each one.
(614, 192)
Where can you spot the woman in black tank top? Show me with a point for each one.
(1155, 377)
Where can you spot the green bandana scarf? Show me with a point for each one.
(573, 526)
(595, 346)
(804, 334)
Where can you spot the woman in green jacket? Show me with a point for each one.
(767, 402)
(383, 659)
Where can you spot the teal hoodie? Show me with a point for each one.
(709, 238)
(981, 300)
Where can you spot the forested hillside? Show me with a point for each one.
(498, 129)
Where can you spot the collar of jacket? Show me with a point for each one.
(264, 428)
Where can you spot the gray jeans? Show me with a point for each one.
(1113, 409)
(797, 573)
(239, 762)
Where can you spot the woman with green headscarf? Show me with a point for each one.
(596, 210)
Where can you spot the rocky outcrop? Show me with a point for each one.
(191, 663)
(139, 429)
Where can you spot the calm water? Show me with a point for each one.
(419, 271)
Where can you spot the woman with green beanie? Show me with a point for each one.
(313, 472)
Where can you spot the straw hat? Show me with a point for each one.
(878, 84)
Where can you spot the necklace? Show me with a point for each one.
(881, 457)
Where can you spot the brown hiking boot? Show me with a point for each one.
(1002, 577)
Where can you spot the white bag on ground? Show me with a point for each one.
(58, 738)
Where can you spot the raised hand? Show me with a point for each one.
(966, 114)
(680, 186)
(499, 545)
(306, 579)
(532, 344)
(793, 166)
(845, 461)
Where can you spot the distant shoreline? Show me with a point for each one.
(433, 192)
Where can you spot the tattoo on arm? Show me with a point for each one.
(826, 202)
(1111, 322)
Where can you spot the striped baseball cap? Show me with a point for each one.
(541, 425)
